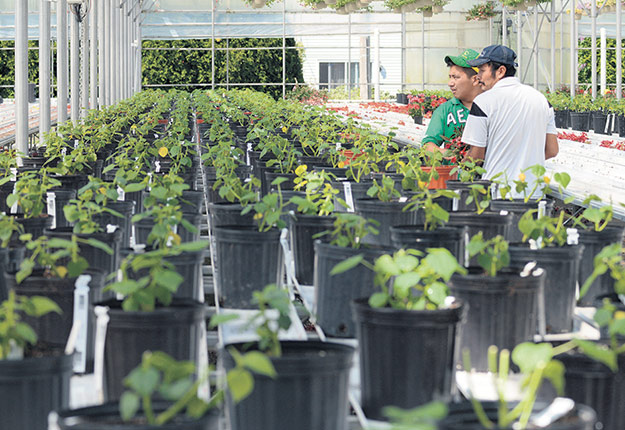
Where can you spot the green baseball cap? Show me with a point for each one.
(463, 59)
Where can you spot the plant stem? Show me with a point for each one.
(147, 409)
(477, 406)
(180, 404)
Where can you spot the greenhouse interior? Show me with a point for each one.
(424, 199)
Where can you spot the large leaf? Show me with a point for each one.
(554, 371)
(131, 188)
(143, 381)
(258, 363)
(175, 390)
(43, 305)
(240, 383)
(529, 355)
(442, 262)
(598, 352)
(100, 245)
(346, 265)
(25, 332)
(128, 405)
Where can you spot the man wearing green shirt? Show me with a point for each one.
(453, 114)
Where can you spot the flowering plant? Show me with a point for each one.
(456, 150)
(481, 12)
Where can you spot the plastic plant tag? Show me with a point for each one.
(13, 174)
(76, 143)
(542, 208)
(133, 236)
(204, 390)
(110, 228)
(102, 320)
(533, 244)
(157, 165)
(338, 145)
(81, 314)
(121, 194)
(349, 199)
(51, 197)
(527, 270)
(454, 204)
(53, 421)
(403, 199)
(14, 207)
(467, 256)
(503, 212)
(289, 263)
(572, 236)
(552, 413)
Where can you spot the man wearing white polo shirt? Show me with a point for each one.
(510, 126)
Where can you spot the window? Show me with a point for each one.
(333, 75)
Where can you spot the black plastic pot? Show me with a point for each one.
(313, 161)
(414, 237)
(517, 208)
(462, 417)
(338, 172)
(402, 98)
(563, 119)
(359, 191)
(72, 182)
(561, 266)
(32, 388)
(387, 214)
(5, 190)
(310, 391)
(10, 260)
(62, 198)
(592, 383)
(96, 257)
(191, 201)
(125, 208)
(621, 125)
(302, 228)
(490, 224)
(598, 122)
(228, 214)
(594, 242)
(580, 121)
(35, 226)
(242, 171)
(175, 330)
(334, 293)
(195, 219)
(54, 328)
(269, 177)
(406, 356)
(502, 311)
(246, 261)
(106, 417)
(463, 189)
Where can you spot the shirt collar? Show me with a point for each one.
(507, 82)
(455, 101)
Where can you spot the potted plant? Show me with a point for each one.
(551, 248)
(580, 112)
(481, 12)
(474, 193)
(502, 303)
(308, 386)
(28, 366)
(395, 327)
(336, 285)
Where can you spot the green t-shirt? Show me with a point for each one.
(445, 119)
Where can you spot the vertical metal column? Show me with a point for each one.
(553, 45)
(490, 31)
(227, 63)
(284, 50)
(44, 68)
(118, 55)
(403, 52)
(593, 47)
(572, 49)
(536, 47)
(74, 66)
(125, 52)
(93, 54)
(602, 80)
(619, 66)
(504, 26)
(62, 64)
(422, 54)
(84, 65)
(519, 42)
(108, 67)
(21, 76)
(349, 57)
(102, 72)
(376, 65)
(138, 71)
(213, 44)
(562, 45)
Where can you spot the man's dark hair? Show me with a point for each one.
(467, 70)
(494, 66)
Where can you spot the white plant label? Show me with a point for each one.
(51, 197)
(349, 198)
(157, 165)
(121, 194)
(572, 236)
(13, 174)
(338, 145)
(14, 207)
(76, 143)
(288, 258)
(81, 314)
(454, 204)
(102, 320)
(503, 212)
(204, 390)
(467, 257)
(542, 208)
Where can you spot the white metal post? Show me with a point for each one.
(109, 52)
(44, 68)
(553, 44)
(84, 63)
(403, 53)
(62, 63)
(376, 64)
(138, 61)
(124, 50)
(619, 67)
(422, 54)
(93, 54)
(349, 57)
(504, 26)
(21, 76)
(74, 66)
(102, 71)
(118, 50)
(593, 46)
(519, 42)
(602, 80)
(536, 48)
(573, 49)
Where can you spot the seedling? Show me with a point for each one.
(269, 209)
(349, 230)
(384, 191)
(492, 254)
(545, 230)
(320, 194)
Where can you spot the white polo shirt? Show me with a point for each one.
(511, 121)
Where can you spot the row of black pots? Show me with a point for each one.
(597, 121)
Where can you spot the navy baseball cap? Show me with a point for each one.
(497, 53)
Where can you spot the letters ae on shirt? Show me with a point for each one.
(451, 120)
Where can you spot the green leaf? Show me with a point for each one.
(169, 279)
(437, 293)
(100, 245)
(378, 300)
(554, 371)
(25, 332)
(195, 246)
(125, 287)
(218, 319)
(42, 305)
(407, 262)
(529, 355)
(12, 199)
(76, 268)
(563, 178)
(198, 407)
(402, 283)
(442, 262)
(346, 265)
(132, 188)
(598, 352)
(240, 383)
(258, 363)
(176, 389)
(128, 405)
(143, 381)
(386, 266)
